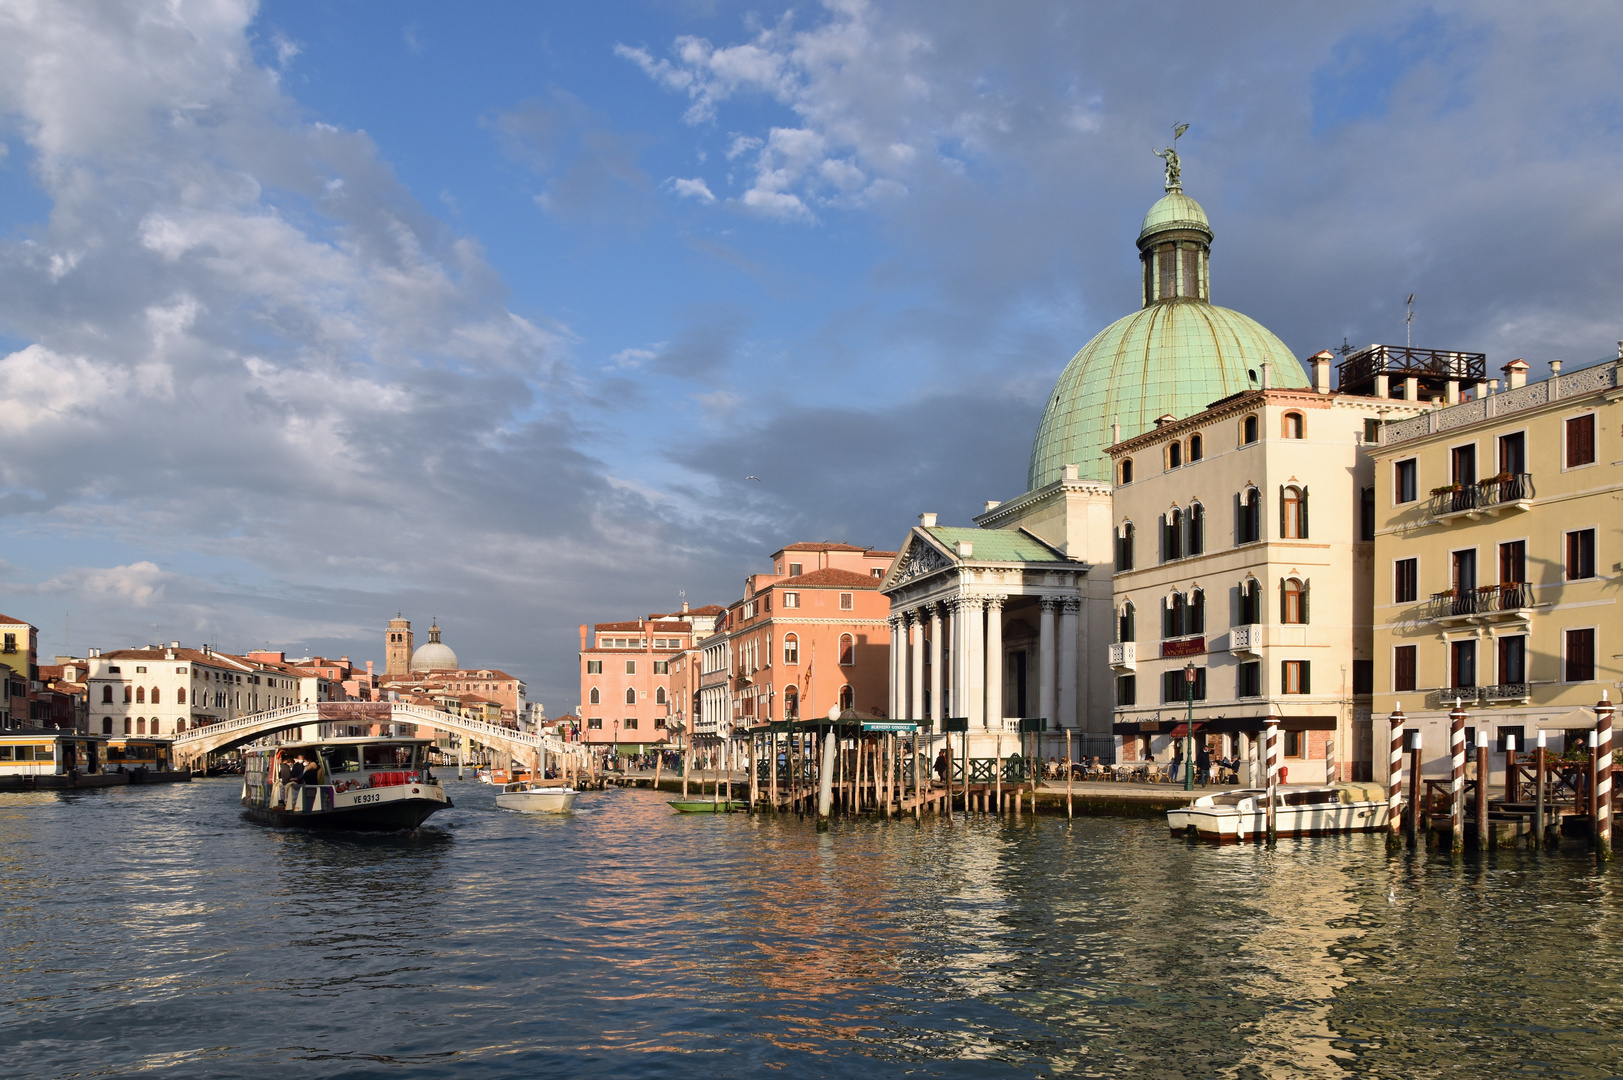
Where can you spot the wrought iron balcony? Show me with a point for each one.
(1507, 491)
(1124, 656)
(1478, 696)
(1503, 692)
(1485, 604)
(1245, 640)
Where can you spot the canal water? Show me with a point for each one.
(155, 931)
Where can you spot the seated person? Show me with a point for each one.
(295, 773)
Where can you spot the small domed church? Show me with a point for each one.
(1012, 617)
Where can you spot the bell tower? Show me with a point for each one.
(397, 648)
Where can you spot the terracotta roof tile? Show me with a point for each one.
(833, 576)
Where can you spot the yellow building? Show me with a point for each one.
(1497, 559)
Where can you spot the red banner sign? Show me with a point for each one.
(1187, 647)
(354, 712)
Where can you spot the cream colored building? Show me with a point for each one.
(1244, 540)
(1497, 559)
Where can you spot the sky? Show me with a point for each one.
(315, 312)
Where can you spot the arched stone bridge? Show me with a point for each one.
(191, 747)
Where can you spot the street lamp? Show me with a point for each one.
(1189, 728)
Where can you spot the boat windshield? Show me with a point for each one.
(388, 756)
(1232, 798)
(341, 759)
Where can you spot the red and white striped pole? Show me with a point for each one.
(1271, 749)
(1394, 782)
(1603, 776)
(1456, 806)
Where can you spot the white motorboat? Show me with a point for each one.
(537, 799)
(1231, 816)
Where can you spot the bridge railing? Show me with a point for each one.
(252, 720)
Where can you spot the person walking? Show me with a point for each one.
(1177, 762)
(1203, 764)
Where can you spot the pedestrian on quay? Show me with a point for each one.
(1203, 764)
(1177, 762)
(941, 765)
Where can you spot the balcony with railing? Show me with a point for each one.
(1479, 696)
(1489, 603)
(1495, 495)
(1245, 640)
(1124, 656)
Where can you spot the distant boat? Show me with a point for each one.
(1230, 816)
(536, 799)
(705, 806)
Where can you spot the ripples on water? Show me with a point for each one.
(155, 930)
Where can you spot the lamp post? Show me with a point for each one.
(1189, 728)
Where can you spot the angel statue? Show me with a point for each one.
(1170, 156)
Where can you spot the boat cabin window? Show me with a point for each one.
(340, 759)
(387, 757)
(1309, 798)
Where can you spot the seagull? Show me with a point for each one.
(757, 479)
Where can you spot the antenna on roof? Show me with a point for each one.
(1408, 320)
(1345, 348)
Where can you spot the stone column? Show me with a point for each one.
(953, 660)
(1046, 705)
(974, 613)
(1070, 611)
(915, 705)
(896, 669)
(994, 662)
(935, 665)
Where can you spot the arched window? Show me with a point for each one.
(140, 725)
(1293, 512)
(659, 695)
(107, 695)
(1250, 601)
(154, 695)
(1293, 602)
(848, 698)
(1197, 529)
(1248, 517)
(126, 725)
(107, 725)
(156, 729)
(1197, 448)
(1174, 455)
(594, 697)
(1195, 617)
(180, 725)
(1127, 470)
(1172, 535)
(1126, 623)
(1248, 431)
(848, 649)
(791, 649)
(1293, 425)
(1124, 546)
(140, 695)
(180, 696)
(631, 696)
(1174, 612)
(791, 703)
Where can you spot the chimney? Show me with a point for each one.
(1115, 425)
(583, 635)
(1070, 472)
(927, 521)
(684, 607)
(966, 549)
(369, 667)
(174, 644)
(1267, 375)
(1321, 371)
(169, 654)
(1516, 373)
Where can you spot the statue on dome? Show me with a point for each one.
(1170, 156)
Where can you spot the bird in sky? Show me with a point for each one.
(757, 479)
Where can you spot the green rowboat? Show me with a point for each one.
(705, 806)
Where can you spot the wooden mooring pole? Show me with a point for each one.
(1456, 779)
(1271, 750)
(1394, 781)
(1603, 776)
(1070, 776)
(1482, 788)
(1538, 795)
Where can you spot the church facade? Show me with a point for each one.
(1013, 617)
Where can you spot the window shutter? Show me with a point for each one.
(1302, 511)
(1306, 592)
(1239, 519)
(1162, 531)
(1282, 511)
(1307, 682)
(1284, 615)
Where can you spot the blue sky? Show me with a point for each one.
(314, 312)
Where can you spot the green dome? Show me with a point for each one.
(1175, 211)
(1173, 357)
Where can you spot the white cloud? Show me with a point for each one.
(691, 189)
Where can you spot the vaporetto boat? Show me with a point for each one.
(1231, 816)
(362, 784)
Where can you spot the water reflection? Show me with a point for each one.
(155, 929)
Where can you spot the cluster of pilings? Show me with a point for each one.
(1543, 799)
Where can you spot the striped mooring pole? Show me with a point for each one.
(1603, 776)
(1271, 749)
(1394, 782)
(1456, 790)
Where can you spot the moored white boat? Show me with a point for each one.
(537, 799)
(1231, 816)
